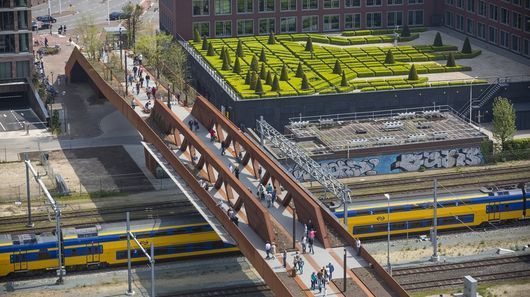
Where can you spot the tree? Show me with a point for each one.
(389, 59)
(503, 120)
(272, 40)
(226, 65)
(299, 70)
(451, 60)
(275, 84)
(268, 80)
(259, 87)
(90, 36)
(237, 66)
(254, 64)
(157, 49)
(239, 49)
(344, 81)
(309, 45)
(305, 83)
(205, 43)
(413, 74)
(176, 66)
(337, 69)
(466, 48)
(134, 12)
(210, 52)
(284, 76)
(438, 40)
(222, 55)
(196, 36)
(227, 56)
(247, 78)
(262, 56)
(405, 31)
(263, 71)
(253, 80)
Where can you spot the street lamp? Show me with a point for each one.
(471, 98)
(389, 267)
(121, 54)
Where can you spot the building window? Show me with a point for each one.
(494, 12)
(373, 2)
(267, 25)
(481, 8)
(223, 28)
(395, 2)
(352, 21)
(471, 5)
(200, 7)
(5, 70)
(373, 19)
(288, 25)
(331, 4)
(352, 3)
(460, 4)
(450, 2)
(202, 27)
(288, 5)
(449, 19)
(517, 20)
(309, 4)
(23, 21)
(469, 26)
(492, 35)
(460, 22)
(23, 42)
(515, 43)
(415, 17)
(310, 23)
(527, 23)
(516, 2)
(505, 39)
(22, 69)
(245, 27)
(245, 6)
(331, 22)
(415, 1)
(526, 47)
(527, 4)
(481, 30)
(21, 3)
(266, 5)
(7, 43)
(505, 16)
(223, 7)
(7, 21)
(394, 18)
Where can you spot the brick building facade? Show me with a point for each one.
(16, 49)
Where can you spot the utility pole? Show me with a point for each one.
(60, 7)
(389, 266)
(108, 13)
(150, 257)
(30, 223)
(344, 276)
(434, 235)
(294, 227)
(129, 291)
(50, 16)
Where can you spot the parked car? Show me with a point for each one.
(117, 15)
(34, 25)
(46, 18)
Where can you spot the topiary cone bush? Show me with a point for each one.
(254, 64)
(227, 56)
(413, 74)
(451, 60)
(284, 76)
(196, 36)
(262, 56)
(405, 31)
(222, 55)
(210, 52)
(389, 59)
(466, 48)
(204, 43)
(275, 84)
(259, 87)
(272, 40)
(239, 49)
(305, 83)
(309, 45)
(344, 81)
(237, 66)
(263, 72)
(253, 80)
(225, 66)
(299, 70)
(337, 69)
(268, 80)
(247, 78)
(438, 40)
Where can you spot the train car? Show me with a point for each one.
(415, 215)
(106, 244)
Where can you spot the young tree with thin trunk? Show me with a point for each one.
(134, 21)
(503, 120)
(157, 49)
(90, 36)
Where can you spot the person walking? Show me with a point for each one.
(236, 172)
(190, 123)
(301, 265)
(330, 268)
(324, 283)
(212, 135)
(223, 148)
(313, 280)
(303, 241)
(268, 250)
(231, 167)
(137, 88)
(130, 78)
(148, 93)
(310, 246)
(284, 256)
(154, 90)
(135, 70)
(273, 194)
(196, 124)
(147, 78)
(295, 263)
(319, 280)
(269, 188)
(268, 198)
(273, 250)
(358, 246)
(141, 81)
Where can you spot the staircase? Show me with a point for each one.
(484, 98)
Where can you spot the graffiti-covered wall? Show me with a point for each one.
(405, 162)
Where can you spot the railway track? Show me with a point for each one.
(237, 291)
(448, 275)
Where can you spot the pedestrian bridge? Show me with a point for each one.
(191, 159)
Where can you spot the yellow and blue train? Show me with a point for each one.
(415, 215)
(106, 244)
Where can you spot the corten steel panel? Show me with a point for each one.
(258, 216)
(245, 246)
(306, 207)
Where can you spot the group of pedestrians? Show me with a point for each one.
(270, 250)
(267, 194)
(320, 279)
(138, 81)
(308, 238)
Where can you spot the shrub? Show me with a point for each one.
(271, 40)
(337, 69)
(227, 56)
(413, 74)
(284, 76)
(225, 66)
(305, 83)
(268, 80)
(247, 77)
(263, 72)
(309, 45)
(405, 31)
(237, 66)
(466, 48)
(254, 64)
(438, 40)
(259, 87)
(344, 81)
(239, 49)
(262, 56)
(253, 80)
(389, 59)
(204, 43)
(368, 89)
(450, 60)
(196, 36)
(275, 84)
(299, 70)
(222, 55)
(210, 50)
